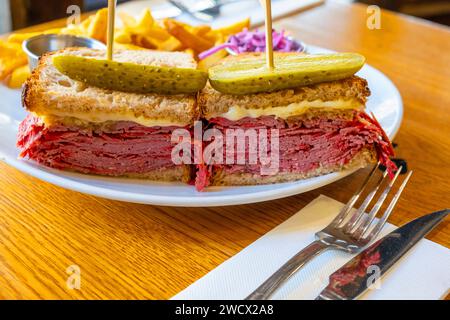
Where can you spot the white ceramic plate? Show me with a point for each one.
(385, 102)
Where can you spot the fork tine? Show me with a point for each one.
(356, 217)
(368, 219)
(379, 225)
(349, 205)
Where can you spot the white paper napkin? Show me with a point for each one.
(229, 13)
(423, 273)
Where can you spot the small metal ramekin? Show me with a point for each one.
(35, 47)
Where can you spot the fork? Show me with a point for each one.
(350, 231)
(207, 14)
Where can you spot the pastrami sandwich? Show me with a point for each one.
(75, 126)
(320, 128)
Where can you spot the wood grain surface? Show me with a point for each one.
(132, 251)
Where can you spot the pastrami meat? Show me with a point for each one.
(305, 145)
(125, 148)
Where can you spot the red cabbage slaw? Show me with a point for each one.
(255, 41)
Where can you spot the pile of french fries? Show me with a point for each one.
(139, 33)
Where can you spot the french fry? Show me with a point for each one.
(220, 38)
(171, 44)
(201, 30)
(127, 20)
(81, 29)
(9, 48)
(145, 42)
(145, 31)
(166, 21)
(7, 66)
(190, 40)
(144, 24)
(11, 57)
(190, 51)
(159, 33)
(123, 36)
(146, 19)
(98, 27)
(93, 27)
(210, 61)
(71, 29)
(233, 28)
(85, 24)
(19, 76)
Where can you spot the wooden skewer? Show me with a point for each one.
(110, 34)
(269, 41)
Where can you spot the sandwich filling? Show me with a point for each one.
(237, 112)
(305, 144)
(99, 118)
(120, 148)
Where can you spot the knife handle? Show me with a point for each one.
(264, 291)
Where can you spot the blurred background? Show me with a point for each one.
(17, 14)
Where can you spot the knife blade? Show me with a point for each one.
(356, 276)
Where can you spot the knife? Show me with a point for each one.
(356, 276)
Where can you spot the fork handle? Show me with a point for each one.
(264, 291)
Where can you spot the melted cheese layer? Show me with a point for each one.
(104, 117)
(235, 113)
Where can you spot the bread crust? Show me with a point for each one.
(48, 92)
(179, 173)
(360, 160)
(212, 103)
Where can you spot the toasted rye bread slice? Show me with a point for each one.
(178, 173)
(49, 92)
(360, 160)
(212, 103)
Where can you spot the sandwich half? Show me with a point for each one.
(73, 126)
(319, 128)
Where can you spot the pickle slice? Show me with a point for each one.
(249, 74)
(131, 77)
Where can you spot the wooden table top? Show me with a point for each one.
(133, 251)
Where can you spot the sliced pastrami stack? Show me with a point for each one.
(79, 127)
(309, 131)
